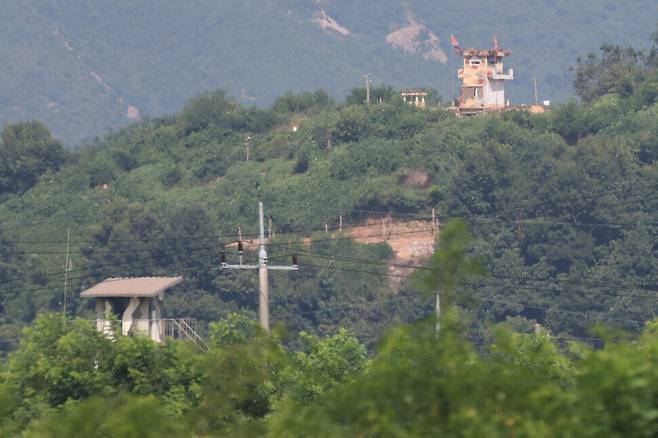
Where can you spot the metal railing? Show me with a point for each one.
(174, 328)
(184, 328)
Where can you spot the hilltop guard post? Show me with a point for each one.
(483, 79)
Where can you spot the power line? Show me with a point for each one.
(49, 274)
(346, 306)
(303, 241)
(116, 250)
(89, 277)
(494, 299)
(409, 266)
(150, 239)
(562, 310)
(418, 216)
(516, 222)
(303, 231)
(652, 288)
(351, 305)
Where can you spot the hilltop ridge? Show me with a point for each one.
(87, 67)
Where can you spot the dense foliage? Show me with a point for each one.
(68, 379)
(28, 151)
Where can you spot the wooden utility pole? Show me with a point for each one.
(437, 312)
(263, 268)
(452, 80)
(67, 268)
(536, 92)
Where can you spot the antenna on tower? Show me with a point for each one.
(536, 93)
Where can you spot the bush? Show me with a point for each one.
(27, 151)
(102, 170)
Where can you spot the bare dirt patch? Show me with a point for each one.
(412, 242)
(416, 38)
(326, 22)
(418, 178)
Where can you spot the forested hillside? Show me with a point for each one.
(84, 67)
(562, 206)
(547, 268)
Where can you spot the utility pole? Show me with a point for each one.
(263, 268)
(263, 281)
(368, 81)
(452, 80)
(437, 312)
(67, 268)
(246, 143)
(536, 93)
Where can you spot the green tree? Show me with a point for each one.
(617, 71)
(323, 364)
(123, 416)
(27, 151)
(57, 362)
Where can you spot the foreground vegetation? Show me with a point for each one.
(73, 382)
(67, 379)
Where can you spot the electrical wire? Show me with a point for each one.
(441, 218)
(283, 316)
(304, 241)
(87, 277)
(515, 222)
(652, 288)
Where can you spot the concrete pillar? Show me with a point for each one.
(144, 312)
(105, 323)
(127, 317)
(156, 335)
(157, 324)
(100, 314)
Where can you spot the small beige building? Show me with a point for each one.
(137, 302)
(418, 98)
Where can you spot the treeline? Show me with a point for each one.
(74, 382)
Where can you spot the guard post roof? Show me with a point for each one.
(486, 52)
(131, 287)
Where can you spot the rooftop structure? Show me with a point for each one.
(138, 303)
(146, 287)
(483, 79)
(417, 98)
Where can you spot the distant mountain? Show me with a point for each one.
(86, 66)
